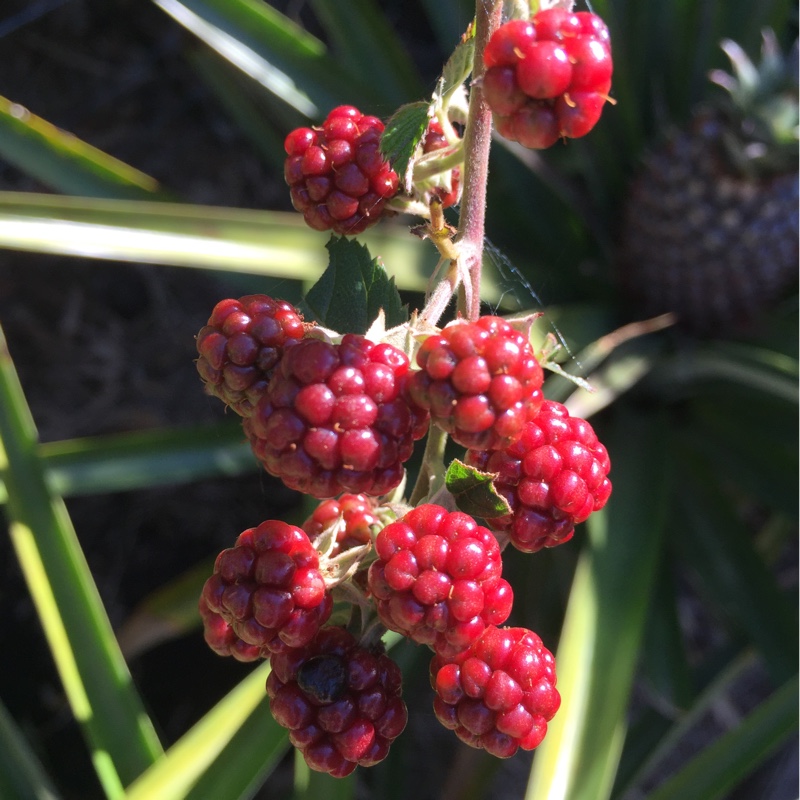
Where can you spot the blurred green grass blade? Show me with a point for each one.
(271, 49)
(22, 776)
(731, 573)
(95, 676)
(238, 240)
(713, 773)
(62, 161)
(233, 747)
(126, 461)
(366, 44)
(312, 785)
(601, 638)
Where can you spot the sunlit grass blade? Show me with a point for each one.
(603, 628)
(367, 45)
(96, 679)
(64, 162)
(238, 240)
(271, 49)
(22, 776)
(233, 746)
(713, 773)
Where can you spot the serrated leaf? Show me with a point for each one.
(403, 133)
(457, 69)
(353, 289)
(474, 491)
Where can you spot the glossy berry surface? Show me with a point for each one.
(221, 637)
(499, 694)
(437, 579)
(353, 516)
(340, 701)
(241, 344)
(335, 418)
(555, 476)
(549, 77)
(481, 382)
(336, 174)
(268, 588)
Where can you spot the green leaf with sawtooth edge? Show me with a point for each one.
(353, 289)
(403, 133)
(474, 491)
(457, 68)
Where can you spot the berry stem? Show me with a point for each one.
(477, 141)
(432, 469)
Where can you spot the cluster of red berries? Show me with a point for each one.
(340, 419)
(548, 77)
(337, 176)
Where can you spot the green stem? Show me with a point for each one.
(432, 465)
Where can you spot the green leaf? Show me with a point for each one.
(457, 69)
(601, 639)
(62, 161)
(474, 491)
(230, 239)
(353, 289)
(228, 753)
(95, 676)
(403, 133)
(720, 767)
(365, 43)
(22, 775)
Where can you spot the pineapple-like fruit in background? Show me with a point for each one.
(710, 224)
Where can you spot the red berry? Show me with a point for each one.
(268, 588)
(221, 637)
(436, 140)
(340, 701)
(480, 381)
(336, 418)
(548, 78)
(241, 345)
(353, 515)
(500, 693)
(553, 477)
(437, 579)
(337, 177)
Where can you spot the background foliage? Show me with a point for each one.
(674, 613)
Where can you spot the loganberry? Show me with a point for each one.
(241, 344)
(500, 693)
(548, 77)
(340, 701)
(553, 477)
(337, 177)
(268, 588)
(480, 380)
(437, 579)
(335, 418)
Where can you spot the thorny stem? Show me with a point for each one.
(477, 141)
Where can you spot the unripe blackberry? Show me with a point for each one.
(553, 477)
(354, 516)
(437, 579)
(241, 344)
(222, 639)
(340, 701)
(436, 140)
(336, 173)
(336, 418)
(548, 77)
(269, 587)
(480, 380)
(499, 694)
